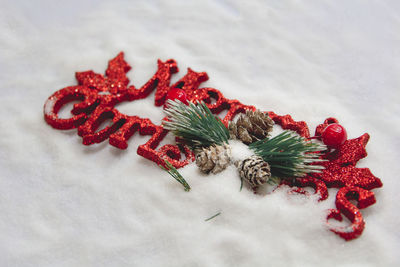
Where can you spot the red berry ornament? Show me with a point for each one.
(334, 135)
(177, 93)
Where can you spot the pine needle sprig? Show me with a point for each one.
(289, 155)
(175, 174)
(195, 124)
(274, 181)
(212, 217)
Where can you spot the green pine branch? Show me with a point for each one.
(175, 174)
(289, 155)
(273, 180)
(195, 124)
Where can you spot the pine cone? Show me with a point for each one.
(254, 170)
(214, 158)
(251, 127)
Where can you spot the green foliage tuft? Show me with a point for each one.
(195, 124)
(289, 155)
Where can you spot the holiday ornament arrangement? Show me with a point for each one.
(292, 157)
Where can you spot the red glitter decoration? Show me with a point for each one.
(364, 197)
(99, 94)
(319, 186)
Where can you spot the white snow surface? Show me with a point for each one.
(66, 204)
(239, 151)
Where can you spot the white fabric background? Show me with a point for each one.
(65, 204)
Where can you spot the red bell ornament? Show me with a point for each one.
(334, 135)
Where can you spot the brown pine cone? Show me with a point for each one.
(254, 170)
(213, 158)
(251, 127)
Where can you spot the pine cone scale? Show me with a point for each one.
(213, 159)
(251, 127)
(254, 170)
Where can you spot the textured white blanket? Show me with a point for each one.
(66, 204)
